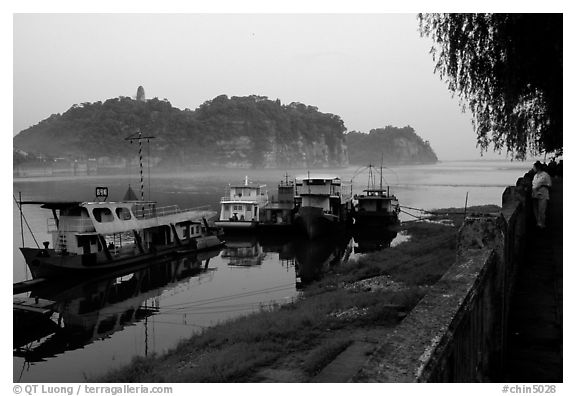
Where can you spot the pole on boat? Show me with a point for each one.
(22, 229)
(138, 136)
(466, 204)
(141, 172)
(381, 166)
(21, 221)
(149, 196)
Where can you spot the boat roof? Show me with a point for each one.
(250, 185)
(317, 176)
(53, 204)
(240, 201)
(376, 196)
(70, 204)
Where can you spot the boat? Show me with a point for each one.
(241, 206)
(376, 207)
(99, 237)
(278, 214)
(320, 205)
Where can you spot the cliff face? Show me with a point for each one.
(392, 145)
(234, 132)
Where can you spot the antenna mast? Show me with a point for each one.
(138, 136)
(381, 165)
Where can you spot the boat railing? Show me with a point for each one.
(245, 198)
(150, 212)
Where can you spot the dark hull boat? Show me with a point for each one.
(314, 223)
(376, 207)
(375, 219)
(321, 207)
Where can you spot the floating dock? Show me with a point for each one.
(35, 305)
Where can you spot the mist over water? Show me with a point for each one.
(225, 289)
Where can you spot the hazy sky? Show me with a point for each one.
(372, 70)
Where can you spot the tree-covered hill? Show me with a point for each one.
(392, 145)
(248, 131)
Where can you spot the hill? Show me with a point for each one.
(250, 131)
(393, 145)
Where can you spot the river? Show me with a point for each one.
(105, 323)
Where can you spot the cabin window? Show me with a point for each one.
(103, 215)
(123, 213)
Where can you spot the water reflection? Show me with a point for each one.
(96, 309)
(100, 309)
(243, 251)
(311, 258)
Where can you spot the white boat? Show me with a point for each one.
(241, 207)
(96, 237)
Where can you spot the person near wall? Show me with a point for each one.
(541, 185)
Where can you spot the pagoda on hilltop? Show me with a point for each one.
(140, 95)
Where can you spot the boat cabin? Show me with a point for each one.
(243, 202)
(123, 227)
(279, 210)
(321, 191)
(376, 200)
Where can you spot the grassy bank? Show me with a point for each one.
(365, 296)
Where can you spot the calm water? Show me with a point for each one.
(104, 323)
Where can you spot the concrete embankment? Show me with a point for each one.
(490, 317)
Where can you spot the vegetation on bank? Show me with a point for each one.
(371, 293)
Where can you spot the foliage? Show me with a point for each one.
(184, 136)
(393, 145)
(507, 69)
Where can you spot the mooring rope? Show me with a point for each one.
(428, 212)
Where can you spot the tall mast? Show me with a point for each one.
(138, 136)
(381, 165)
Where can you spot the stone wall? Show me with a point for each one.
(457, 332)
